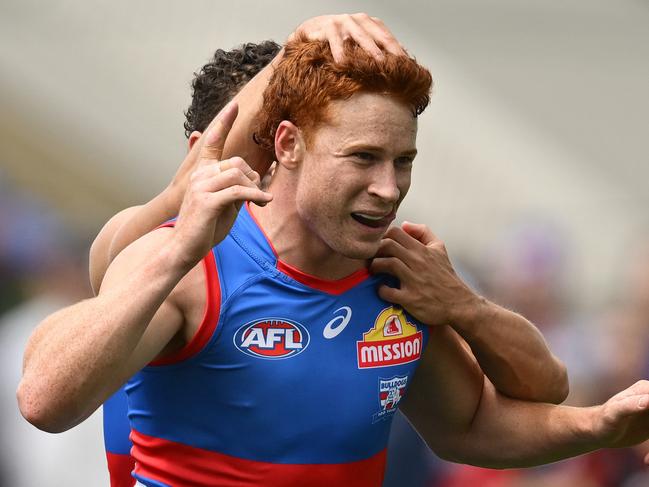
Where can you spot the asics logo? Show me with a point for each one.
(337, 324)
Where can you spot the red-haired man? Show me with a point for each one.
(262, 338)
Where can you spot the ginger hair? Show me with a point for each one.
(307, 79)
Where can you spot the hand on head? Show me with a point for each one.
(370, 33)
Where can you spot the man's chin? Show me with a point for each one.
(361, 251)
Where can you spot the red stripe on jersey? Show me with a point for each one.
(210, 317)
(119, 470)
(332, 287)
(182, 465)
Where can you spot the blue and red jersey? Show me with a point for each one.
(117, 440)
(289, 377)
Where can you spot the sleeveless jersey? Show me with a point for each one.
(289, 380)
(116, 440)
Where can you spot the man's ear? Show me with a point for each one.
(193, 137)
(289, 145)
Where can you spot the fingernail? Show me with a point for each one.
(642, 403)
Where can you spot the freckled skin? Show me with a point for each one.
(335, 180)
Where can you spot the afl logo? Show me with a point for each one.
(272, 338)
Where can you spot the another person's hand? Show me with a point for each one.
(430, 289)
(623, 420)
(215, 192)
(370, 33)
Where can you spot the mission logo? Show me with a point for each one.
(391, 341)
(272, 338)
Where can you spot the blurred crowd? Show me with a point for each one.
(605, 347)
(43, 267)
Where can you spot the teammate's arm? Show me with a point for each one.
(464, 419)
(130, 224)
(80, 355)
(510, 350)
(77, 357)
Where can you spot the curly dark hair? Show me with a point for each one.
(222, 78)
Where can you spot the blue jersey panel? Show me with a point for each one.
(116, 424)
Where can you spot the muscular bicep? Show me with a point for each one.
(446, 388)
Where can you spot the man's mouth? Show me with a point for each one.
(373, 220)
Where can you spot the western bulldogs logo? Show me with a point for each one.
(390, 393)
(272, 338)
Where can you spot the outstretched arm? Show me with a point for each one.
(463, 418)
(507, 433)
(130, 224)
(510, 350)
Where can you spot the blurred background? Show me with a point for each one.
(532, 168)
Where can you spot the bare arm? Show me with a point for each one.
(100, 254)
(78, 356)
(512, 353)
(81, 354)
(508, 433)
(510, 350)
(463, 418)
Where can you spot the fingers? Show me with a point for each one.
(215, 179)
(629, 405)
(391, 265)
(239, 163)
(238, 194)
(370, 33)
(220, 180)
(639, 388)
(215, 168)
(364, 32)
(216, 134)
(381, 35)
(392, 248)
(404, 239)
(335, 38)
(390, 294)
(419, 232)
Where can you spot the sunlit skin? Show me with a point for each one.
(358, 162)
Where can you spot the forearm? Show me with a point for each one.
(79, 355)
(512, 353)
(508, 433)
(145, 218)
(240, 141)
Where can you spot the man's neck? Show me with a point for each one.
(297, 246)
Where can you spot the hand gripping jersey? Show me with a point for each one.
(290, 380)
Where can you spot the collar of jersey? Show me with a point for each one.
(250, 224)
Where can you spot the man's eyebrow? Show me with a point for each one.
(375, 148)
(411, 153)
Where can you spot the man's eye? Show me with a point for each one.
(403, 161)
(365, 156)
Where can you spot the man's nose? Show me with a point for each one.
(384, 183)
